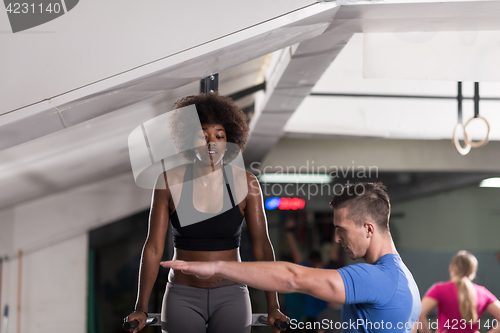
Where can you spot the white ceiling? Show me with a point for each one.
(395, 118)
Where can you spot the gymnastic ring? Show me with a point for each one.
(479, 143)
(462, 150)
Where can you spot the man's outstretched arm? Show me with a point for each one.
(283, 277)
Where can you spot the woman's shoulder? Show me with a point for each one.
(179, 169)
(237, 171)
(171, 177)
(252, 183)
(481, 289)
(439, 290)
(241, 182)
(177, 172)
(249, 177)
(484, 296)
(241, 176)
(442, 285)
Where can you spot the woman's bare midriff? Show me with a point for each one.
(191, 280)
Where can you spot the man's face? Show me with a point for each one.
(351, 237)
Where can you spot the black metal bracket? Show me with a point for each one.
(210, 84)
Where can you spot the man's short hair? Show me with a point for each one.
(365, 201)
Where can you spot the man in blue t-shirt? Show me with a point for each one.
(379, 296)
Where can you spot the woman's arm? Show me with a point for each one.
(494, 310)
(261, 245)
(428, 303)
(151, 253)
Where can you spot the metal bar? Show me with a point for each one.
(5, 322)
(154, 319)
(397, 96)
(1, 267)
(19, 285)
(248, 91)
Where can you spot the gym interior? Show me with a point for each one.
(406, 93)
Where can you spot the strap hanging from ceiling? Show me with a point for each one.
(460, 127)
(464, 150)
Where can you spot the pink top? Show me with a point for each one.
(446, 294)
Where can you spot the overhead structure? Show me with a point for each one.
(65, 123)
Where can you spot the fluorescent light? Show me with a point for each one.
(490, 182)
(310, 178)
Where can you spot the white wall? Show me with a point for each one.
(53, 291)
(432, 229)
(467, 218)
(53, 234)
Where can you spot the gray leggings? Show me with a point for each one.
(198, 310)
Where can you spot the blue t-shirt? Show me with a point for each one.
(380, 297)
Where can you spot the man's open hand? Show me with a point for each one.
(200, 269)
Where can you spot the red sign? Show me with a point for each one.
(291, 204)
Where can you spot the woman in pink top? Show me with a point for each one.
(460, 303)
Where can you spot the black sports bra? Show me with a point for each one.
(215, 232)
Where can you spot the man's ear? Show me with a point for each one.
(369, 228)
